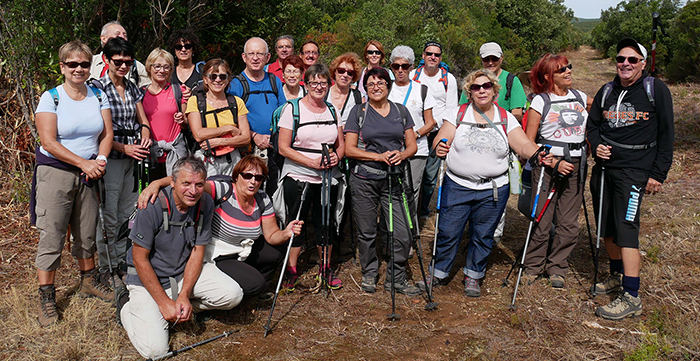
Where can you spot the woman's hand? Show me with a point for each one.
(93, 169)
(213, 142)
(148, 195)
(294, 227)
(233, 130)
(603, 151)
(179, 118)
(547, 160)
(390, 157)
(186, 93)
(442, 149)
(136, 151)
(564, 167)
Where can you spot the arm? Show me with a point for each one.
(352, 151)
(533, 124)
(664, 139)
(521, 143)
(430, 123)
(274, 235)
(192, 271)
(411, 148)
(150, 193)
(447, 131)
(240, 138)
(518, 114)
(146, 129)
(150, 281)
(201, 134)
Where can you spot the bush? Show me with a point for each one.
(685, 40)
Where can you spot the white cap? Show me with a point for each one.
(489, 49)
(629, 42)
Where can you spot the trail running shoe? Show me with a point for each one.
(625, 305)
(471, 287)
(291, 278)
(609, 285)
(557, 281)
(403, 287)
(330, 278)
(369, 284)
(437, 282)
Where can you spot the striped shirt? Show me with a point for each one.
(123, 112)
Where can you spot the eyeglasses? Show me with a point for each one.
(490, 59)
(119, 63)
(316, 84)
(485, 86)
(310, 52)
(396, 66)
(158, 67)
(213, 77)
(75, 64)
(374, 52)
(187, 46)
(429, 54)
(256, 55)
(292, 72)
(284, 46)
(248, 176)
(632, 59)
(563, 68)
(342, 71)
(379, 84)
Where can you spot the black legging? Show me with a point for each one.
(253, 274)
(292, 191)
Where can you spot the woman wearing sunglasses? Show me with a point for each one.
(293, 67)
(345, 71)
(302, 145)
(475, 188)
(557, 117)
(184, 43)
(74, 124)
(387, 139)
(218, 120)
(244, 229)
(163, 110)
(374, 57)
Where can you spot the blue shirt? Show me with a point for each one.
(260, 105)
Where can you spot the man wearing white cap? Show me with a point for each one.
(630, 129)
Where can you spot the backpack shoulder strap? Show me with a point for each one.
(202, 106)
(460, 113)
(416, 75)
(233, 106)
(177, 92)
(578, 96)
(509, 85)
(607, 89)
(443, 77)
(546, 107)
(357, 95)
(245, 85)
(54, 95)
(98, 93)
(295, 117)
(504, 119)
(649, 89)
(423, 94)
(199, 67)
(165, 208)
(333, 112)
(273, 82)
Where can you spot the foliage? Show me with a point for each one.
(685, 38)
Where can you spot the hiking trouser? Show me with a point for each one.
(62, 199)
(147, 329)
(120, 201)
(313, 199)
(367, 196)
(565, 206)
(255, 273)
(432, 167)
(457, 206)
(417, 170)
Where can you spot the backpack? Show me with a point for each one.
(201, 96)
(246, 87)
(96, 90)
(502, 111)
(177, 91)
(509, 85)
(548, 105)
(274, 128)
(648, 87)
(361, 116)
(444, 70)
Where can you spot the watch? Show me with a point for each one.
(102, 158)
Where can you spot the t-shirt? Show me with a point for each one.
(169, 251)
(230, 224)
(191, 82)
(309, 136)
(414, 103)
(160, 110)
(344, 112)
(565, 122)
(517, 93)
(275, 68)
(222, 118)
(261, 105)
(380, 134)
(477, 153)
(123, 112)
(78, 123)
(445, 101)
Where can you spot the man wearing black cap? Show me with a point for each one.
(630, 127)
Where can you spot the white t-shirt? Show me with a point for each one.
(78, 123)
(414, 103)
(446, 102)
(479, 152)
(565, 122)
(343, 112)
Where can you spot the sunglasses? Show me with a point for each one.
(180, 46)
(563, 68)
(75, 64)
(213, 77)
(119, 63)
(400, 66)
(248, 176)
(632, 59)
(490, 59)
(374, 52)
(437, 55)
(485, 86)
(342, 71)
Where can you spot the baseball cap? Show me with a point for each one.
(629, 42)
(432, 43)
(489, 49)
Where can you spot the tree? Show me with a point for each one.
(685, 40)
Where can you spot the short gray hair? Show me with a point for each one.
(403, 51)
(106, 26)
(285, 37)
(190, 163)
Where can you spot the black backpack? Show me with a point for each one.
(201, 96)
(246, 87)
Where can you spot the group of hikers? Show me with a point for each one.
(293, 143)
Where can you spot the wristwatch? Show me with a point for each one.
(102, 158)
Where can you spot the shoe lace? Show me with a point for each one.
(48, 304)
(99, 285)
(471, 283)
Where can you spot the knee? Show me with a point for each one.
(154, 350)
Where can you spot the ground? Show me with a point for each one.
(348, 324)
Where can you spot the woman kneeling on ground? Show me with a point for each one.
(475, 189)
(564, 128)
(244, 229)
(75, 125)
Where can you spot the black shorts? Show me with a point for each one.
(623, 191)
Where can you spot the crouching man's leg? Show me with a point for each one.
(143, 322)
(215, 290)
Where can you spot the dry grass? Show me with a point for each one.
(351, 325)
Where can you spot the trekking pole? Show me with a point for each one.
(326, 218)
(286, 259)
(599, 226)
(392, 316)
(187, 348)
(100, 210)
(588, 226)
(413, 228)
(441, 176)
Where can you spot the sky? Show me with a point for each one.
(589, 9)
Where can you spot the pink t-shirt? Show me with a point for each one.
(309, 136)
(160, 110)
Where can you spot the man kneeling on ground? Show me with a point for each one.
(166, 278)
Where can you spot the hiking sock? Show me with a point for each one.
(631, 285)
(615, 266)
(291, 269)
(46, 288)
(83, 273)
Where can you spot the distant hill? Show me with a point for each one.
(585, 25)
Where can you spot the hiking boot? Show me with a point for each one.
(330, 279)
(528, 279)
(625, 305)
(266, 297)
(106, 279)
(91, 286)
(122, 299)
(369, 284)
(557, 281)
(48, 315)
(471, 287)
(291, 278)
(403, 287)
(609, 285)
(437, 282)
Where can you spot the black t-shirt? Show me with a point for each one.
(194, 79)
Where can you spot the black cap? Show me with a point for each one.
(629, 42)
(432, 43)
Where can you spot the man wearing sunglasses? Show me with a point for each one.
(630, 129)
(138, 74)
(284, 46)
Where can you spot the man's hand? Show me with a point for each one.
(603, 151)
(653, 186)
(170, 310)
(185, 307)
(262, 141)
